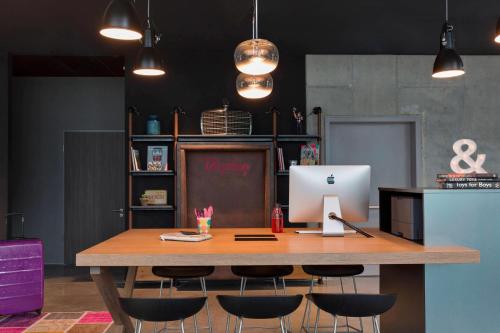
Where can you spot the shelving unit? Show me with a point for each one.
(164, 216)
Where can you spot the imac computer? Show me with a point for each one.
(329, 194)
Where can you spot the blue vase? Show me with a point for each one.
(153, 125)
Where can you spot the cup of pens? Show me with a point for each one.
(204, 219)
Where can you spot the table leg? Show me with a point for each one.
(128, 289)
(110, 295)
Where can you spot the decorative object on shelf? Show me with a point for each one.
(448, 62)
(293, 162)
(299, 121)
(149, 61)
(256, 56)
(497, 38)
(455, 181)
(254, 86)
(281, 160)
(309, 154)
(120, 21)
(157, 158)
(153, 126)
(154, 198)
(226, 122)
(464, 156)
(136, 162)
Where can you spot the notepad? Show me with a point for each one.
(180, 237)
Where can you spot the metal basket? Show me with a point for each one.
(226, 122)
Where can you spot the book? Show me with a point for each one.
(281, 160)
(157, 158)
(480, 185)
(309, 154)
(465, 179)
(466, 175)
(179, 236)
(134, 156)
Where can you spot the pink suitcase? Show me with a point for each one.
(21, 276)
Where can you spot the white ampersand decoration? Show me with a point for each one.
(465, 155)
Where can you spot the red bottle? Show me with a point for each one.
(277, 220)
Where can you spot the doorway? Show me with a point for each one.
(94, 189)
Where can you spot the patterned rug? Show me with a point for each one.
(57, 322)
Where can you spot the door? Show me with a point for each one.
(391, 145)
(94, 189)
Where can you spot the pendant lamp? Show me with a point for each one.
(448, 62)
(497, 38)
(256, 56)
(120, 21)
(149, 60)
(254, 86)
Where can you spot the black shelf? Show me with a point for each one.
(144, 173)
(152, 138)
(282, 173)
(225, 138)
(297, 138)
(152, 208)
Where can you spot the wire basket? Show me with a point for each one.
(226, 122)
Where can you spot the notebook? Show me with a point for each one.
(180, 237)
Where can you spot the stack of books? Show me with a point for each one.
(453, 181)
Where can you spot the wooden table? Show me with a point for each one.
(142, 247)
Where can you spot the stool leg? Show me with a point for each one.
(356, 291)
(155, 327)
(205, 293)
(335, 324)
(307, 310)
(241, 324)
(282, 326)
(377, 325)
(138, 325)
(182, 325)
(316, 322)
(228, 323)
(243, 285)
(288, 320)
(275, 287)
(346, 319)
(195, 323)
(373, 324)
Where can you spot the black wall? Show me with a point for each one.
(4, 138)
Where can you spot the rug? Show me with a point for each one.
(57, 322)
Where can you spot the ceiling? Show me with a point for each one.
(69, 27)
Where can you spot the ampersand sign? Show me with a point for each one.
(465, 156)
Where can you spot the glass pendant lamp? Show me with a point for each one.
(497, 38)
(149, 60)
(254, 86)
(448, 62)
(120, 21)
(256, 56)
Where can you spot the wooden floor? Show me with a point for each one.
(77, 293)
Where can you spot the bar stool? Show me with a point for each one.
(263, 272)
(161, 309)
(259, 307)
(186, 272)
(352, 305)
(335, 271)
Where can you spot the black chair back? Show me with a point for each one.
(353, 305)
(262, 271)
(260, 307)
(162, 309)
(333, 270)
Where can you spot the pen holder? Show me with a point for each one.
(204, 224)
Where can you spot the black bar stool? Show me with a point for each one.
(186, 272)
(352, 305)
(259, 307)
(161, 309)
(263, 272)
(334, 271)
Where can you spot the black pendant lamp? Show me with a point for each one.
(448, 62)
(120, 21)
(497, 38)
(149, 61)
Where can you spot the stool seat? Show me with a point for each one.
(260, 307)
(333, 270)
(353, 305)
(183, 272)
(262, 271)
(162, 309)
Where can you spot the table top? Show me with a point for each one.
(143, 247)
